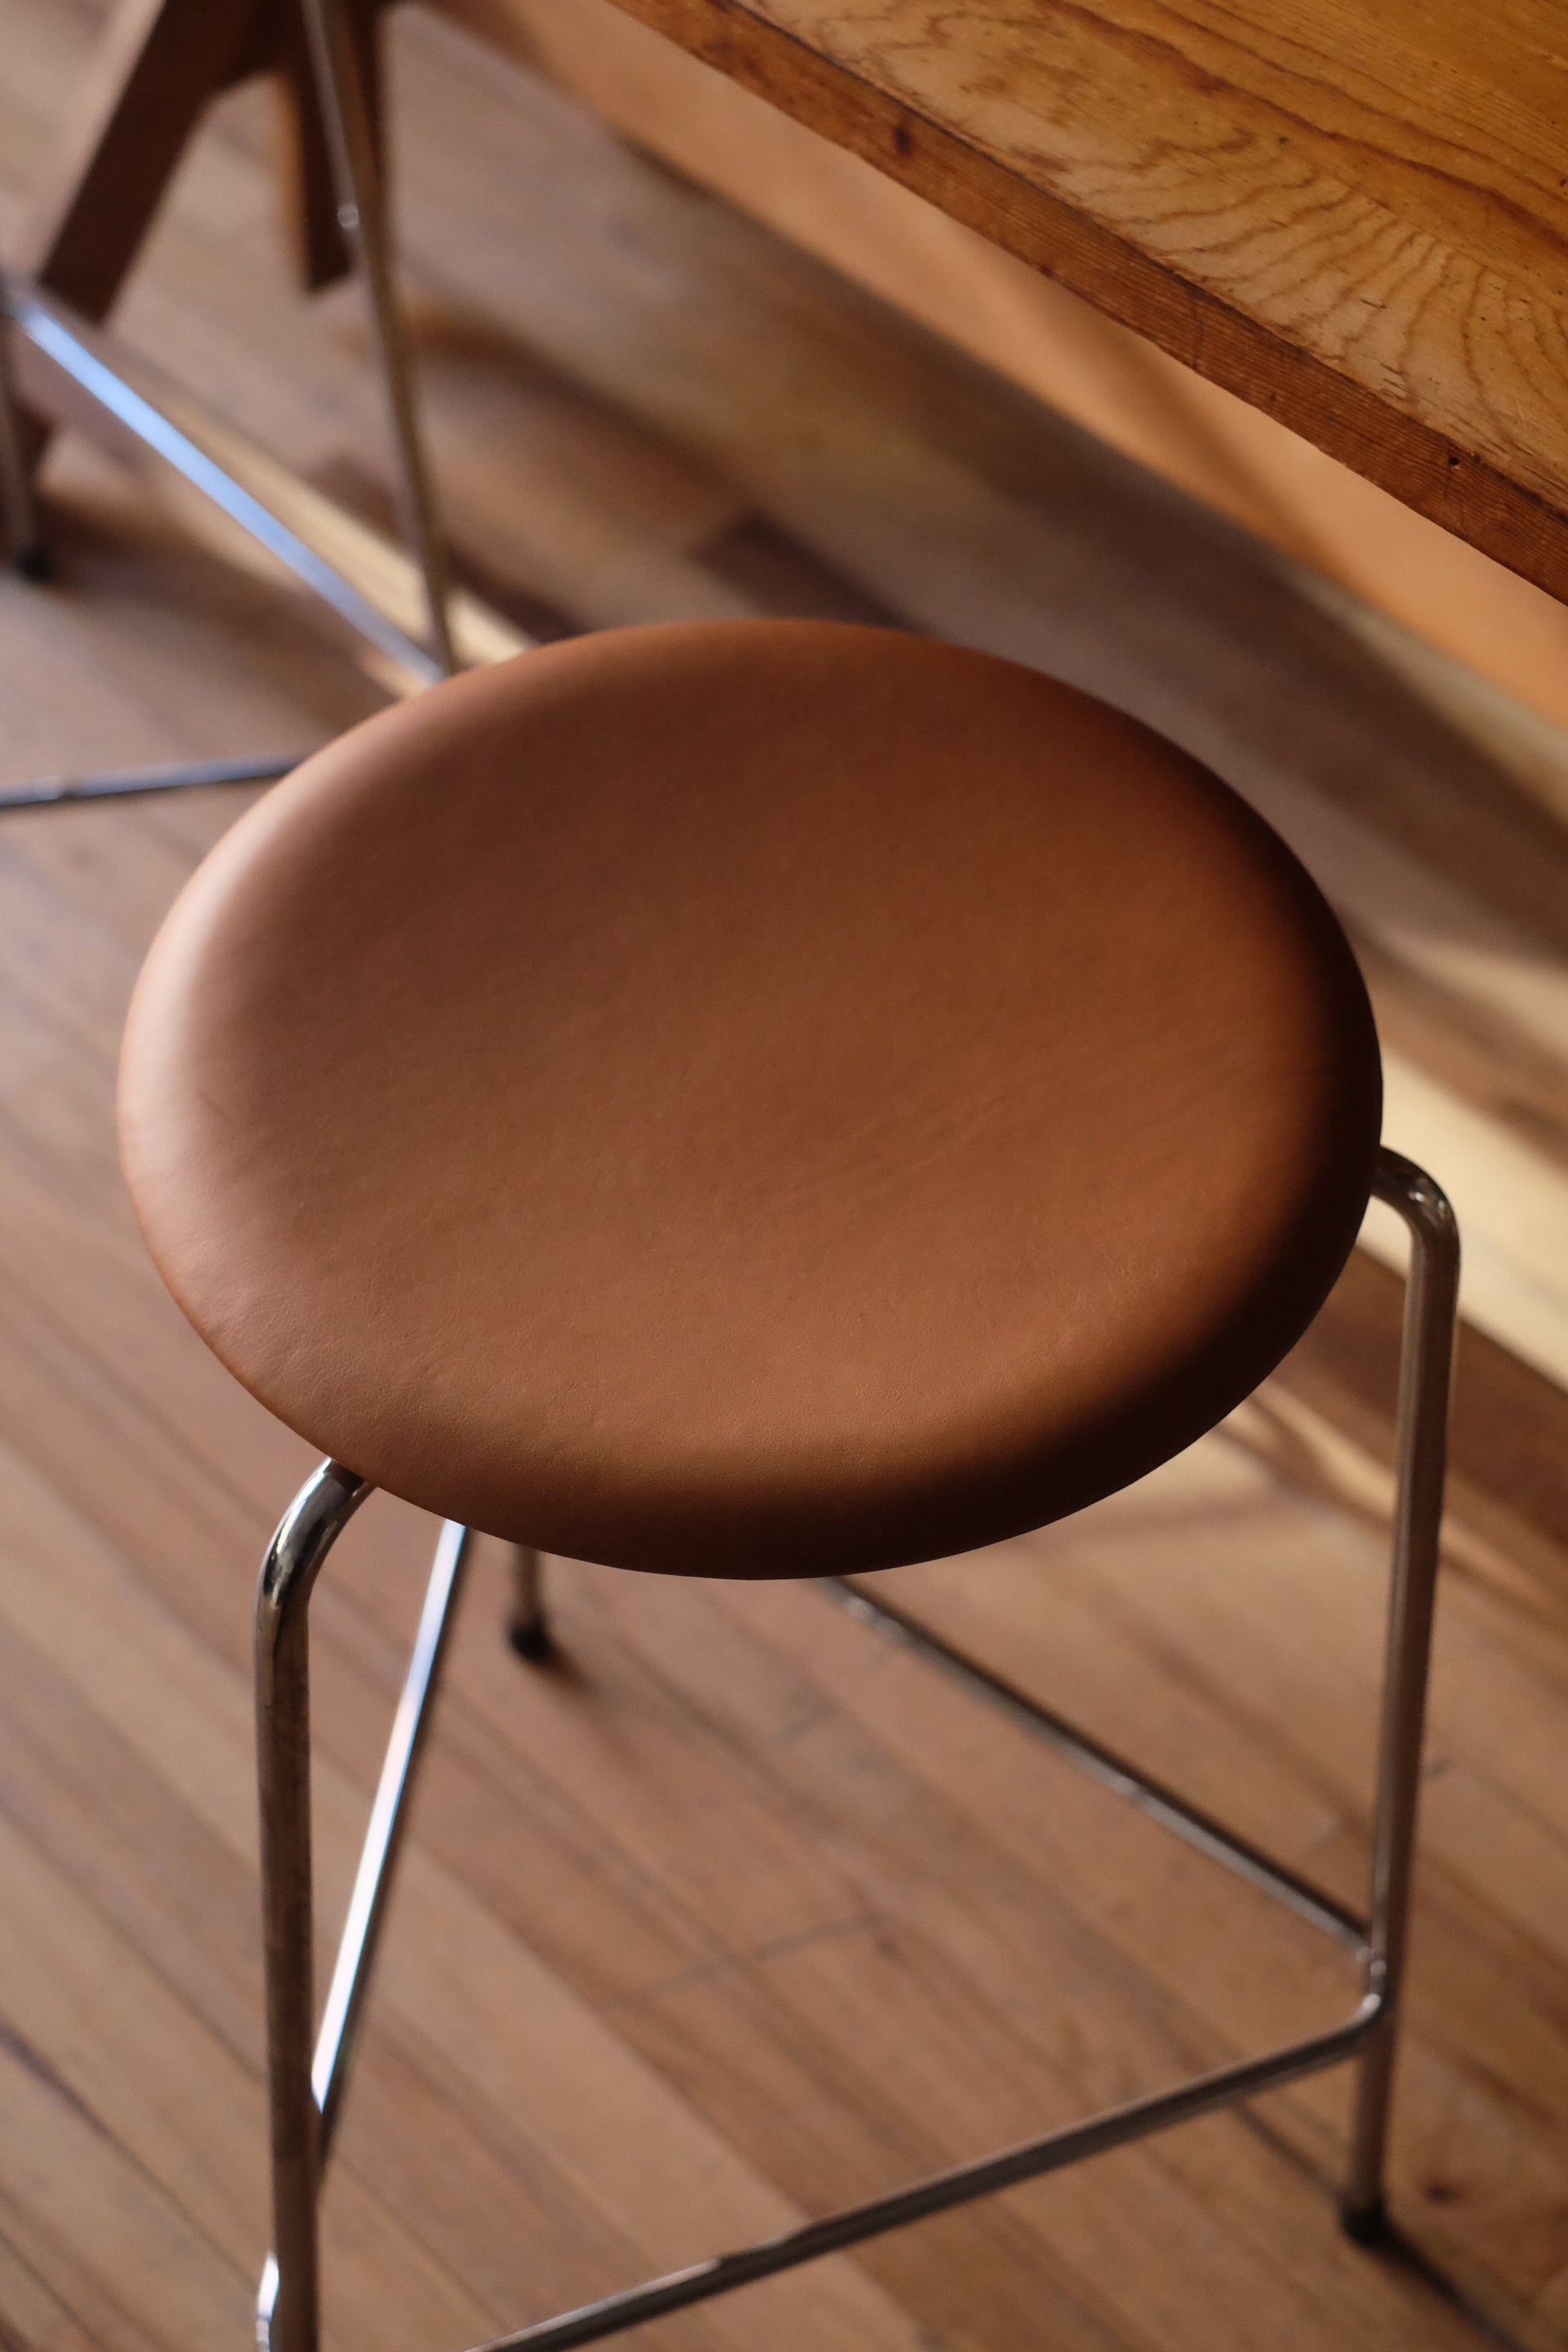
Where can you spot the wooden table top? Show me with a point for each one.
(1355, 216)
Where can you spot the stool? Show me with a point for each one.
(762, 1099)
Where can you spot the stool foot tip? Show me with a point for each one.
(1365, 2225)
(529, 1637)
(35, 563)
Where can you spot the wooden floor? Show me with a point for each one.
(736, 1913)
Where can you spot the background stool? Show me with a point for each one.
(759, 1099)
(160, 63)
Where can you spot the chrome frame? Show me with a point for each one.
(129, 784)
(362, 216)
(306, 2091)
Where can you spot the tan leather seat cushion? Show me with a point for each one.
(751, 1100)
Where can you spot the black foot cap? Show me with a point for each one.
(1364, 2225)
(35, 563)
(529, 1637)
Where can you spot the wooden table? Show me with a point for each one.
(1350, 214)
(1353, 215)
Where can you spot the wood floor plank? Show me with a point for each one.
(1480, 2206)
(1030, 1997)
(30, 2314)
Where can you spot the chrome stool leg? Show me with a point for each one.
(1431, 1310)
(294, 1559)
(306, 2095)
(528, 1628)
(361, 213)
(305, 2088)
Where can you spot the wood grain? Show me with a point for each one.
(1355, 222)
(1237, 458)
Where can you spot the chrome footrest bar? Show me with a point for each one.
(1104, 1765)
(79, 374)
(127, 783)
(1158, 2111)
(78, 355)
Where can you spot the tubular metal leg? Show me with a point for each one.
(314, 1520)
(362, 211)
(1431, 1310)
(1111, 1770)
(323, 1509)
(528, 1629)
(130, 784)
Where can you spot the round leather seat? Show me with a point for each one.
(751, 1100)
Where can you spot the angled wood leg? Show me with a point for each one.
(19, 540)
(155, 70)
(156, 67)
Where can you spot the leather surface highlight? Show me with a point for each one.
(751, 1098)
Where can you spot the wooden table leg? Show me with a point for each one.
(157, 66)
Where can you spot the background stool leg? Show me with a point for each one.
(344, 2005)
(528, 1628)
(1431, 1307)
(361, 213)
(288, 2320)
